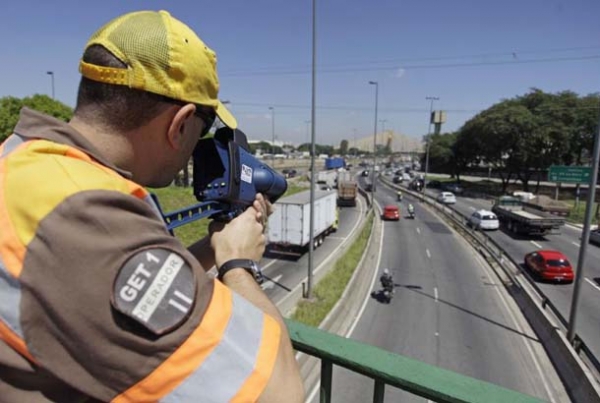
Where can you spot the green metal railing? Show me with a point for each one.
(386, 368)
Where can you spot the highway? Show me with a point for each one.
(292, 272)
(448, 310)
(568, 242)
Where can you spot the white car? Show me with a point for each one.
(484, 219)
(446, 198)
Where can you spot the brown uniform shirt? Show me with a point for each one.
(86, 314)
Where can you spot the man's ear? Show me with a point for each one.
(175, 134)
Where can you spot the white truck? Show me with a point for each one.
(326, 178)
(288, 231)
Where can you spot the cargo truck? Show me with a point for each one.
(288, 231)
(347, 189)
(334, 163)
(520, 219)
(326, 178)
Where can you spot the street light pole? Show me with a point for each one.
(428, 140)
(585, 238)
(272, 109)
(376, 84)
(51, 74)
(311, 245)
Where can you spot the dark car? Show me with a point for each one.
(550, 265)
(416, 184)
(289, 173)
(434, 184)
(453, 187)
(397, 179)
(365, 172)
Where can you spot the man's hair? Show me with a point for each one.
(115, 107)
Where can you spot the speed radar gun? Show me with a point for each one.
(226, 179)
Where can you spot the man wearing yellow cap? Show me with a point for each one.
(97, 301)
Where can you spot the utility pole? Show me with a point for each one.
(376, 84)
(585, 238)
(311, 245)
(272, 109)
(428, 141)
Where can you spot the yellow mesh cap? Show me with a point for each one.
(163, 56)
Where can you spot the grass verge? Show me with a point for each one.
(174, 198)
(329, 290)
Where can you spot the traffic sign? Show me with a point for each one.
(569, 174)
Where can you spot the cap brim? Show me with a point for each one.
(225, 116)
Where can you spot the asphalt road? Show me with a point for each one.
(292, 272)
(568, 242)
(448, 310)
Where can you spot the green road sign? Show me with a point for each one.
(569, 174)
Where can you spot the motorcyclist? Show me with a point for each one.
(387, 282)
(411, 210)
(399, 194)
(387, 285)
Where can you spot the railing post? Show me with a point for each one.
(379, 391)
(326, 378)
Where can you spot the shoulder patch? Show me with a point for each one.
(156, 288)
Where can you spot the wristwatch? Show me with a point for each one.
(250, 265)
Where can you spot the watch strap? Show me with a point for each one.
(250, 265)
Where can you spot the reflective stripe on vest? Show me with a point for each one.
(11, 143)
(10, 287)
(10, 300)
(217, 380)
(230, 356)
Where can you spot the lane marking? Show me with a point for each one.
(536, 244)
(593, 284)
(323, 263)
(576, 244)
(518, 327)
(362, 308)
(418, 230)
(435, 293)
(428, 254)
(437, 334)
(472, 208)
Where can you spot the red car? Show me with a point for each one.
(391, 212)
(550, 265)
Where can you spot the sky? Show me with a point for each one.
(468, 53)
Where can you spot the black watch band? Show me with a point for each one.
(250, 265)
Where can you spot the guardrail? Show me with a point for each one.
(387, 368)
(498, 254)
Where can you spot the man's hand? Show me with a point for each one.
(243, 237)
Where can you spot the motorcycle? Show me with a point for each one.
(385, 294)
(388, 292)
(399, 196)
(411, 214)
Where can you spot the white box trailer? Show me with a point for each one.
(288, 230)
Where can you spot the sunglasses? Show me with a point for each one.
(208, 116)
(206, 113)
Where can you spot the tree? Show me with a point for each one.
(11, 106)
(344, 147)
(441, 154)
